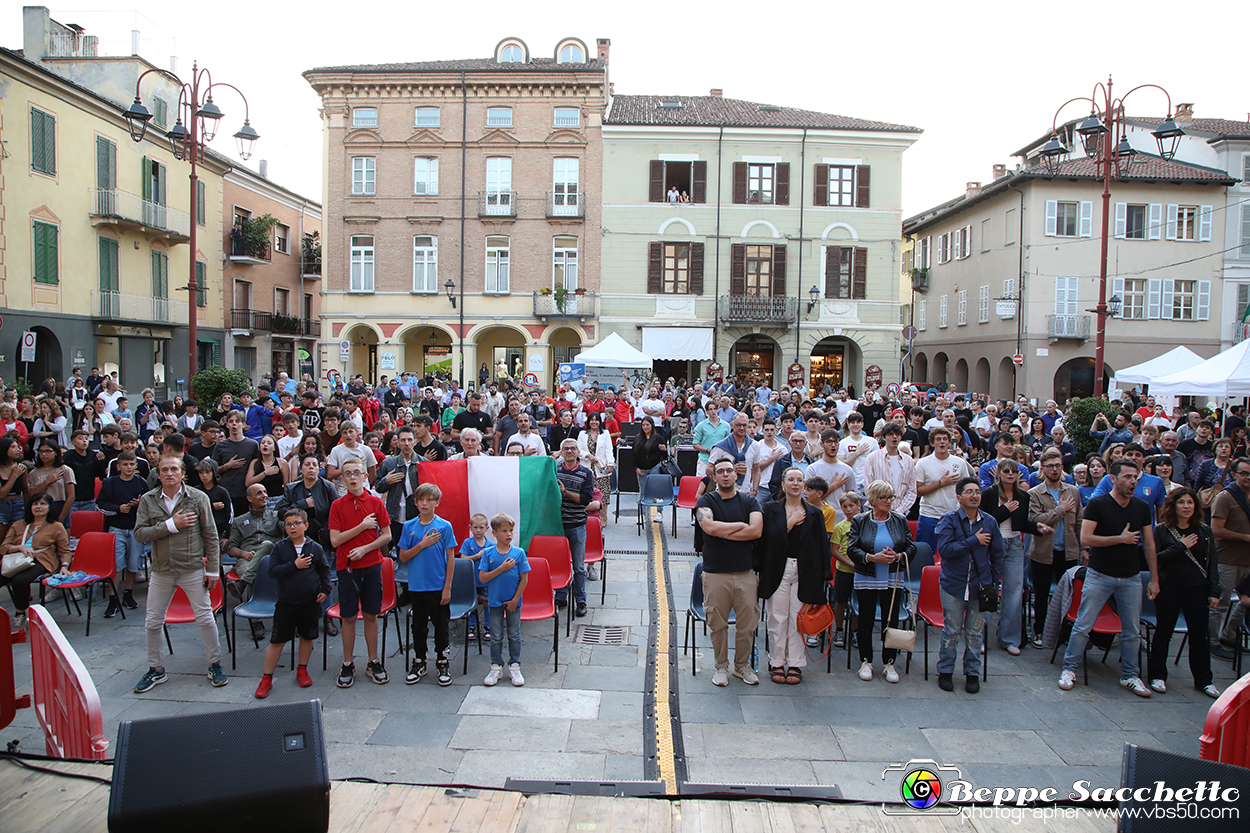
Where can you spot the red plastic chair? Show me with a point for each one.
(929, 607)
(84, 521)
(538, 601)
(389, 606)
(94, 556)
(179, 612)
(1106, 623)
(595, 553)
(98, 484)
(687, 497)
(556, 551)
(1226, 733)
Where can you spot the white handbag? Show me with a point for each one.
(898, 638)
(14, 563)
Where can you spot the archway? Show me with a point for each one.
(981, 377)
(960, 377)
(503, 350)
(755, 359)
(1075, 378)
(836, 361)
(920, 369)
(48, 359)
(364, 358)
(938, 374)
(426, 349)
(1005, 386)
(565, 343)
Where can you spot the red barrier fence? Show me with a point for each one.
(65, 699)
(9, 701)
(1226, 733)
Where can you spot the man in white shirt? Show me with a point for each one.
(493, 403)
(855, 448)
(845, 406)
(652, 407)
(839, 476)
(894, 467)
(936, 476)
(526, 437)
(983, 420)
(762, 456)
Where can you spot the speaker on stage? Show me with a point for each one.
(254, 769)
(626, 475)
(688, 462)
(1162, 806)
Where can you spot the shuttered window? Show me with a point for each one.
(675, 268)
(42, 142)
(841, 185)
(201, 283)
(201, 202)
(105, 176)
(983, 310)
(846, 272)
(1245, 229)
(942, 311)
(46, 264)
(962, 298)
(761, 183)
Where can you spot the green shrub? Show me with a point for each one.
(1080, 417)
(209, 384)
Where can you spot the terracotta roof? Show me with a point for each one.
(469, 65)
(1219, 127)
(715, 111)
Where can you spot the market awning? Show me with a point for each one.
(681, 343)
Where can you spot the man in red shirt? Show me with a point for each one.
(593, 404)
(623, 407)
(360, 530)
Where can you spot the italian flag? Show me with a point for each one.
(524, 487)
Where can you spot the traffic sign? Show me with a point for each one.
(345, 350)
(892, 389)
(530, 379)
(909, 332)
(28, 346)
(1018, 359)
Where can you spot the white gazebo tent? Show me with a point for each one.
(1226, 375)
(614, 352)
(1174, 361)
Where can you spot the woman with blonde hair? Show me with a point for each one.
(881, 546)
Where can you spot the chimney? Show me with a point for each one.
(972, 189)
(603, 45)
(1000, 171)
(716, 92)
(264, 168)
(1184, 113)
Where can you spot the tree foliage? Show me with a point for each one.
(209, 384)
(1080, 417)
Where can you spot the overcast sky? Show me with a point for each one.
(979, 78)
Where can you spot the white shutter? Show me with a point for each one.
(1156, 221)
(1203, 304)
(928, 252)
(1154, 290)
(1121, 220)
(967, 241)
(1204, 222)
(959, 244)
(1172, 209)
(1087, 219)
(1117, 288)
(1245, 228)
(1065, 296)
(1169, 298)
(1009, 288)
(921, 308)
(1052, 214)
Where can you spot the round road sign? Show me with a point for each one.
(1018, 359)
(531, 379)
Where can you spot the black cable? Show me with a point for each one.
(49, 771)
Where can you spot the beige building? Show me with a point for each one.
(1012, 267)
(462, 220)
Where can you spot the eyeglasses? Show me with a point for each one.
(353, 474)
(886, 498)
(295, 523)
(970, 493)
(1052, 465)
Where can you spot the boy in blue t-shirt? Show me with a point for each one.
(505, 569)
(472, 549)
(429, 544)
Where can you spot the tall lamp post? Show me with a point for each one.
(1104, 138)
(195, 127)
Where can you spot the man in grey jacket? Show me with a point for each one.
(397, 480)
(178, 522)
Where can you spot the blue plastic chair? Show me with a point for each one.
(463, 602)
(262, 605)
(657, 490)
(695, 612)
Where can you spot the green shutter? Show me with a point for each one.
(46, 265)
(42, 141)
(160, 276)
(109, 261)
(216, 354)
(201, 281)
(146, 178)
(201, 203)
(160, 171)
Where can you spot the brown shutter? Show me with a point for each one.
(696, 268)
(821, 178)
(738, 269)
(833, 258)
(861, 186)
(698, 186)
(657, 181)
(655, 269)
(859, 275)
(740, 183)
(779, 271)
(782, 195)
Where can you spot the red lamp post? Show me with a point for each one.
(195, 127)
(1104, 138)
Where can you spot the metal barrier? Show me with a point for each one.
(9, 701)
(65, 700)
(1226, 733)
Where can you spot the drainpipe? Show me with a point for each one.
(798, 293)
(1015, 374)
(716, 287)
(464, 150)
(302, 208)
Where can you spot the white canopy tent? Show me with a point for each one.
(1225, 375)
(614, 351)
(1174, 361)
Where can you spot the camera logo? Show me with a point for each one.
(921, 787)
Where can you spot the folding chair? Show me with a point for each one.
(94, 556)
(657, 490)
(179, 612)
(687, 497)
(695, 612)
(463, 602)
(929, 607)
(84, 521)
(538, 602)
(389, 606)
(555, 550)
(595, 554)
(1107, 622)
(261, 605)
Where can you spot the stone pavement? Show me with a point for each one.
(586, 720)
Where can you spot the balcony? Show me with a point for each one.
(131, 212)
(114, 306)
(310, 268)
(572, 206)
(758, 309)
(248, 321)
(1067, 326)
(496, 204)
(570, 305)
(1241, 331)
(244, 251)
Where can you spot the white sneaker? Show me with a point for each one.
(1013, 650)
(496, 671)
(1159, 686)
(813, 641)
(1067, 680)
(721, 677)
(1211, 691)
(1135, 685)
(865, 670)
(747, 675)
(514, 671)
(891, 676)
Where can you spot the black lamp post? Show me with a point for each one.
(814, 294)
(450, 286)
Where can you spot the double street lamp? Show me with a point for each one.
(1104, 138)
(195, 126)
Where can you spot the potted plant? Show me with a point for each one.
(310, 254)
(579, 291)
(258, 236)
(562, 297)
(544, 291)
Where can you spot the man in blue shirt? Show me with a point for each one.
(1149, 488)
(259, 418)
(1119, 434)
(428, 545)
(988, 471)
(734, 447)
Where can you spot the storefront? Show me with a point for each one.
(828, 365)
(752, 360)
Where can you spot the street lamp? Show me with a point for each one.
(450, 286)
(1104, 138)
(814, 294)
(195, 126)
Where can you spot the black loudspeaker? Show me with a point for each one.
(626, 475)
(256, 769)
(1176, 793)
(688, 461)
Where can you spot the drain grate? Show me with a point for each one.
(601, 635)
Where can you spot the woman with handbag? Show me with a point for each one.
(594, 447)
(792, 558)
(649, 450)
(34, 546)
(881, 546)
(1213, 475)
(1008, 505)
(1189, 583)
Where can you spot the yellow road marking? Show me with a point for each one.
(663, 718)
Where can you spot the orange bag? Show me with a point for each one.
(813, 620)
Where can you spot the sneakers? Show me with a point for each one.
(946, 682)
(1159, 686)
(1135, 685)
(747, 675)
(592, 572)
(839, 639)
(1037, 642)
(258, 629)
(581, 610)
(471, 635)
(891, 675)
(415, 673)
(347, 675)
(19, 620)
(114, 608)
(1211, 691)
(151, 679)
(813, 641)
(972, 684)
(375, 672)
(1014, 650)
(301, 676)
(1067, 680)
(266, 686)
(721, 677)
(865, 670)
(236, 588)
(514, 671)
(128, 600)
(217, 675)
(444, 672)
(492, 677)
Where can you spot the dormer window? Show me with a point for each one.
(512, 51)
(570, 51)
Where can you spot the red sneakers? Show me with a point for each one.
(301, 677)
(266, 686)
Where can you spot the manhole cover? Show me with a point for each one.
(601, 635)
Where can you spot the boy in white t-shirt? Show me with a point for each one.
(854, 448)
(288, 445)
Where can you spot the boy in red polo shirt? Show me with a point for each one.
(360, 530)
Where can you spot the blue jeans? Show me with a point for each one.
(1009, 624)
(1094, 594)
(963, 618)
(127, 552)
(926, 531)
(83, 506)
(501, 618)
(577, 544)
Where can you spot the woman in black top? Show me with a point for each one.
(312, 493)
(1189, 582)
(649, 450)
